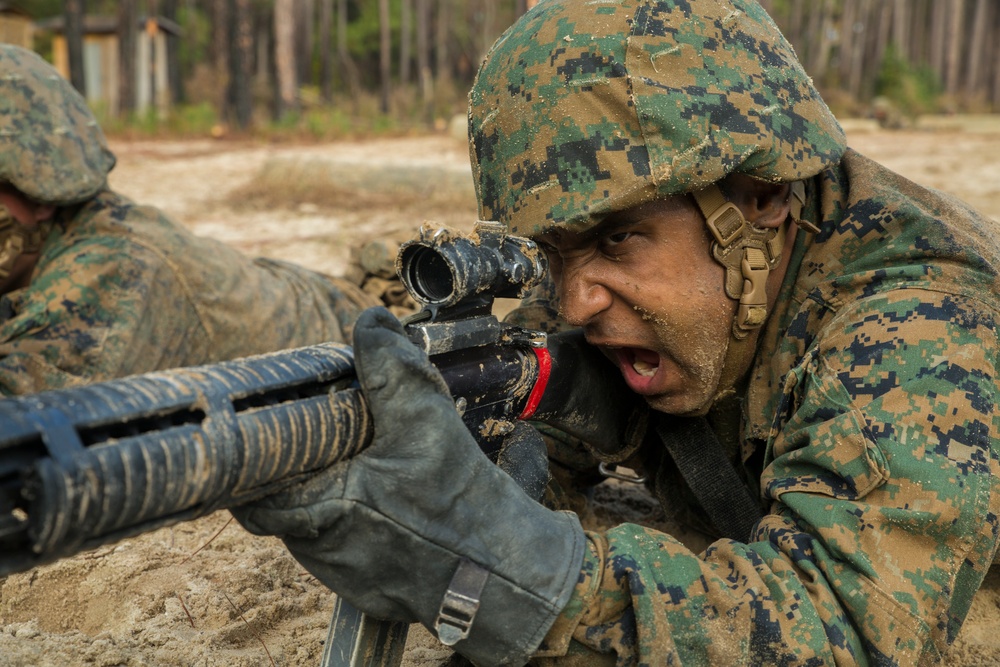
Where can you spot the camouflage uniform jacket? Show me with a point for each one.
(120, 289)
(871, 422)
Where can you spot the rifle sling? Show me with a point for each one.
(710, 475)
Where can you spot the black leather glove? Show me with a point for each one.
(423, 514)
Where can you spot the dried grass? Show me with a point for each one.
(288, 183)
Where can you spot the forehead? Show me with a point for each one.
(668, 212)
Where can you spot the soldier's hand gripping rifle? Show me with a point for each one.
(88, 466)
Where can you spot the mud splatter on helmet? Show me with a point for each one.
(586, 107)
(51, 147)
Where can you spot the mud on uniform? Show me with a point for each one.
(120, 289)
(869, 424)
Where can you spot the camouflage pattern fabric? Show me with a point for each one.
(584, 108)
(51, 147)
(119, 289)
(871, 422)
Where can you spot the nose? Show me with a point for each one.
(582, 294)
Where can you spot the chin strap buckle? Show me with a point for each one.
(748, 254)
(460, 603)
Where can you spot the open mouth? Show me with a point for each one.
(639, 365)
(644, 368)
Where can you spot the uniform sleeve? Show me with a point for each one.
(882, 470)
(99, 309)
(127, 291)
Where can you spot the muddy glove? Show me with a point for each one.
(525, 457)
(422, 519)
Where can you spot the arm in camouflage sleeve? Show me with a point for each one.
(123, 290)
(84, 313)
(882, 469)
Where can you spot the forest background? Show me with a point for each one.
(333, 68)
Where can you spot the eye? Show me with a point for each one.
(617, 243)
(617, 238)
(550, 251)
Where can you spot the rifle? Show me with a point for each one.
(88, 466)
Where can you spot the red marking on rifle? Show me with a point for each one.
(544, 371)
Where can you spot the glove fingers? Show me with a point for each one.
(278, 522)
(396, 377)
(524, 457)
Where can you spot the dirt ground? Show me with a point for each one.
(207, 593)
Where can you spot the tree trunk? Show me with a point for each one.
(240, 62)
(168, 8)
(220, 52)
(127, 22)
(347, 66)
(73, 12)
(821, 56)
(424, 57)
(442, 64)
(151, 30)
(979, 53)
(385, 55)
(919, 53)
(814, 35)
(880, 19)
(846, 45)
(939, 37)
(953, 54)
(405, 34)
(305, 10)
(996, 61)
(795, 32)
(284, 56)
(901, 21)
(852, 45)
(489, 33)
(326, 50)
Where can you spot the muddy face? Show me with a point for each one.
(644, 287)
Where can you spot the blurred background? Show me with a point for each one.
(334, 68)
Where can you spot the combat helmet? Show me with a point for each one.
(51, 146)
(587, 107)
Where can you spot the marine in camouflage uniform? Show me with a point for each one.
(870, 413)
(118, 288)
(856, 390)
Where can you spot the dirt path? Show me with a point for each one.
(206, 593)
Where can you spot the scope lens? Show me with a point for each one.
(427, 274)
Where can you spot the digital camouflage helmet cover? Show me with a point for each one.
(586, 107)
(51, 147)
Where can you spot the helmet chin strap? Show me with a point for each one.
(748, 254)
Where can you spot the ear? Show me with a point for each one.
(764, 205)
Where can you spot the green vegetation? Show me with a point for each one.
(913, 90)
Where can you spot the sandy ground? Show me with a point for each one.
(206, 592)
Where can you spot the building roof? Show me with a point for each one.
(13, 8)
(101, 24)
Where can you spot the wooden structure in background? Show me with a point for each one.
(101, 66)
(16, 26)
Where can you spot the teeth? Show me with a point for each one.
(644, 369)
